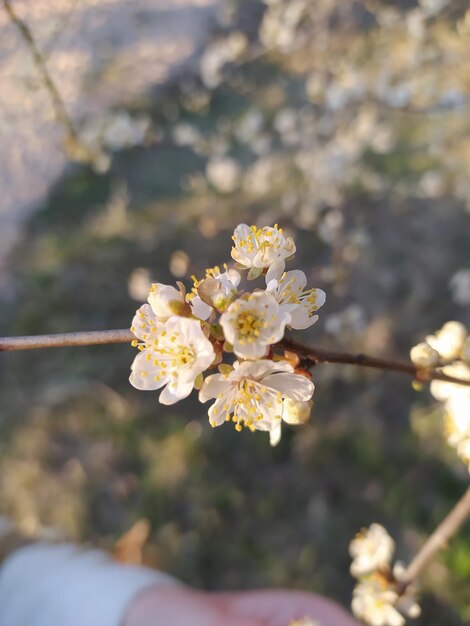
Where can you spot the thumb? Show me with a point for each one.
(180, 605)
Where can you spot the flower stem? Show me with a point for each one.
(311, 356)
(438, 539)
(87, 338)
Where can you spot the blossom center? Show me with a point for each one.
(248, 325)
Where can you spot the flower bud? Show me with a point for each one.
(296, 412)
(449, 340)
(166, 301)
(424, 356)
(466, 351)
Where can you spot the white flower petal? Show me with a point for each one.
(143, 373)
(171, 395)
(275, 270)
(275, 435)
(164, 299)
(294, 386)
(143, 322)
(213, 386)
(250, 350)
(199, 308)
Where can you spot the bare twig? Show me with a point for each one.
(49, 84)
(439, 539)
(91, 338)
(309, 355)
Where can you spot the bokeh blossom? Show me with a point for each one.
(371, 549)
(377, 604)
(448, 349)
(379, 597)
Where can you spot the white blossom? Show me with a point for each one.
(252, 393)
(423, 356)
(463, 450)
(262, 248)
(375, 605)
(371, 549)
(456, 399)
(218, 54)
(224, 174)
(289, 291)
(465, 354)
(294, 412)
(457, 419)
(449, 340)
(216, 291)
(172, 354)
(252, 323)
(444, 391)
(166, 301)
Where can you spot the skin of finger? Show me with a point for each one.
(279, 608)
(158, 606)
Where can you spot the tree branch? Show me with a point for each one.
(49, 84)
(91, 338)
(309, 355)
(439, 539)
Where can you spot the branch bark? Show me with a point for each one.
(91, 338)
(60, 110)
(439, 539)
(309, 355)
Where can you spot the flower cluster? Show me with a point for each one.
(181, 334)
(449, 350)
(381, 598)
(100, 137)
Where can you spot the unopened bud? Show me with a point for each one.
(424, 356)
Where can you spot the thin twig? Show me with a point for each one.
(49, 84)
(309, 355)
(439, 539)
(91, 338)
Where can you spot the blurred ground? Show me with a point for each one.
(348, 125)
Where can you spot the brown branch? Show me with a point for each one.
(49, 84)
(309, 355)
(91, 338)
(439, 539)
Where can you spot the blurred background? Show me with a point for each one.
(346, 122)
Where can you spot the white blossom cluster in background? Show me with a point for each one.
(378, 599)
(102, 136)
(449, 350)
(363, 78)
(181, 335)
